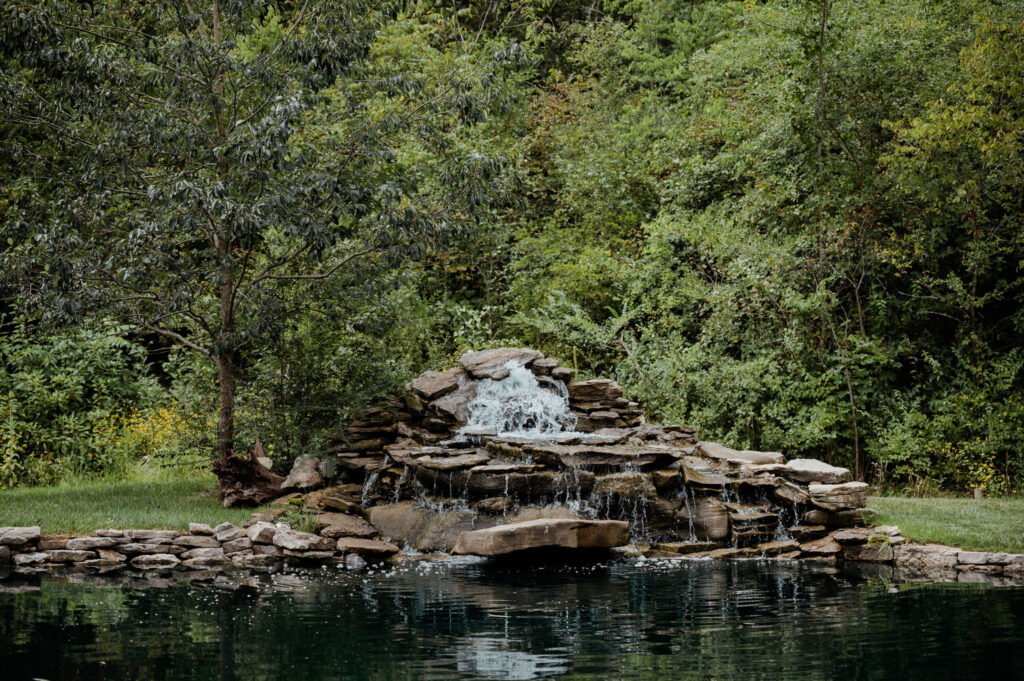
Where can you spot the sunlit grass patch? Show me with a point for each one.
(990, 524)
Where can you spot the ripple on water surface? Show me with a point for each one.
(654, 620)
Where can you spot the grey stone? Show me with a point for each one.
(142, 535)
(366, 547)
(927, 556)
(5, 555)
(196, 541)
(262, 532)
(344, 525)
(31, 558)
(140, 548)
(110, 533)
(305, 474)
(229, 533)
(202, 553)
(265, 549)
(201, 529)
(353, 561)
(431, 385)
(490, 363)
(849, 495)
(451, 463)
(19, 536)
(154, 560)
(455, 405)
(201, 562)
(69, 556)
(812, 470)
(236, 545)
(293, 540)
(599, 390)
(90, 543)
(713, 450)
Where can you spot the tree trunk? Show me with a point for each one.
(226, 419)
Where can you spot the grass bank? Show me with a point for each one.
(995, 524)
(82, 507)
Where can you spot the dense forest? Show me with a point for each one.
(795, 224)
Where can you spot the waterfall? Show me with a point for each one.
(519, 406)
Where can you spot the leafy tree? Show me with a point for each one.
(189, 168)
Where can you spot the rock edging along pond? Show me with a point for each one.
(264, 544)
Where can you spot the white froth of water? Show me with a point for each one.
(519, 406)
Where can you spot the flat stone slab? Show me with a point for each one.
(452, 463)
(431, 385)
(491, 363)
(849, 495)
(713, 450)
(544, 533)
(587, 455)
(812, 470)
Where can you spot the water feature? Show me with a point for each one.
(637, 621)
(519, 406)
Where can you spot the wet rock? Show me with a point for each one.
(200, 529)
(626, 485)
(731, 554)
(90, 543)
(368, 548)
(294, 540)
(537, 534)
(588, 455)
(254, 560)
(355, 562)
(494, 505)
(202, 562)
(713, 450)
(110, 556)
(305, 474)
(806, 533)
(686, 548)
(849, 495)
(343, 525)
(422, 528)
(710, 518)
(453, 408)
(69, 556)
(19, 536)
(265, 549)
(812, 470)
(826, 546)
(155, 560)
(431, 385)
(5, 555)
(788, 493)
(318, 555)
(490, 363)
(196, 542)
(703, 478)
(774, 548)
(452, 463)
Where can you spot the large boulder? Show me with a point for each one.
(431, 385)
(812, 470)
(626, 485)
(491, 363)
(423, 529)
(709, 517)
(301, 541)
(344, 525)
(305, 474)
(544, 534)
(454, 406)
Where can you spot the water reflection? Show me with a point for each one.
(747, 620)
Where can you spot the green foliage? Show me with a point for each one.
(64, 402)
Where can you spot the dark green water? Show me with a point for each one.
(745, 620)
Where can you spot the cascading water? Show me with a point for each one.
(519, 406)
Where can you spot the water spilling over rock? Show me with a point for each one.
(508, 437)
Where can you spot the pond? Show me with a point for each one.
(471, 620)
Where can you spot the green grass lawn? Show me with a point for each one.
(995, 524)
(84, 507)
